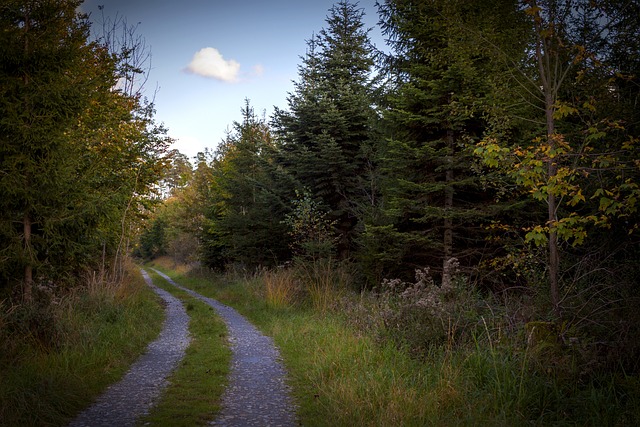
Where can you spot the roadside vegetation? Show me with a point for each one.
(442, 230)
(57, 356)
(353, 361)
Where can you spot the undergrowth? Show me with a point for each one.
(421, 354)
(57, 355)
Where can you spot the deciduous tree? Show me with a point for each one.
(582, 163)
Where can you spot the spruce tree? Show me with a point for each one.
(44, 89)
(245, 218)
(323, 137)
(436, 199)
(77, 155)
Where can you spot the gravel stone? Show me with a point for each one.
(257, 394)
(125, 401)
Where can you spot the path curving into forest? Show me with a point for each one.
(132, 397)
(257, 394)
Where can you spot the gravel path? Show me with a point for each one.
(133, 396)
(257, 394)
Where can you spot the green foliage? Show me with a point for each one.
(463, 172)
(347, 376)
(178, 175)
(78, 156)
(579, 158)
(246, 203)
(436, 197)
(153, 241)
(325, 137)
(312, 233)
(57, 358)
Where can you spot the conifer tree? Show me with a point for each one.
(43, 46)
(77, 155)
(435, 193)
(324, 135)
(246, 209)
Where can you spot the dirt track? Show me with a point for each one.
(257, 394)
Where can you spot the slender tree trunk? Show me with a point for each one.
(554, 255)
(448, 205)
(27, 286)
(549, 82)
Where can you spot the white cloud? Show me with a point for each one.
(208, 62)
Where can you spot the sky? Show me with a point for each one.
(207, 57)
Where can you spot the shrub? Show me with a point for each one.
(423, 314)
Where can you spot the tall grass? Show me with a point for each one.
(350, 365)
(57, 356)
(280, 288)
(323, 280)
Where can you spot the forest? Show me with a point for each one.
(476, 179)
(495, 147)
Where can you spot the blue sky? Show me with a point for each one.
(208, 56)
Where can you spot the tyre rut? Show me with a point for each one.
(257, 394)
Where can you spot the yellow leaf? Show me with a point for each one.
(533, 10)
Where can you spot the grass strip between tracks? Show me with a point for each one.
(196, 386)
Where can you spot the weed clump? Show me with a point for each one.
(423, 313)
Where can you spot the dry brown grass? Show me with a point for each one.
(168, 263)
(324, 281)
(280, 287)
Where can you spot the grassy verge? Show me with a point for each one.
(194, 391)
(343, 375)
(56, 358)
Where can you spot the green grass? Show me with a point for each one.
(194, 391)
(344, 377)
(72, 350)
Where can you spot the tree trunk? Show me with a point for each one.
(448, 205)
(554, 255)
(549, 81)
(27, 286)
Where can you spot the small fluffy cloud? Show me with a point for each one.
(208, 62)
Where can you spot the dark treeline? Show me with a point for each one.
(496, 140)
